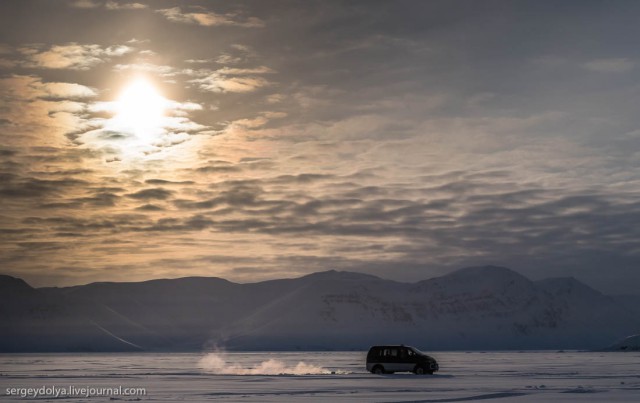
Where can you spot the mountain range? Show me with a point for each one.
(473, 308)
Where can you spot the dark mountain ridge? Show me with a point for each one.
(473, 308)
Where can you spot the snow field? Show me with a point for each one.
(547, 376)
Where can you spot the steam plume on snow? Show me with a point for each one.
(217, 363)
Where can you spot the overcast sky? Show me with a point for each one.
(399, 138)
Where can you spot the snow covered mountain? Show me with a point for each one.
(32, 320)
(474, 308)
(631, 343)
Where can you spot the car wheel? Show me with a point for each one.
(378, 370)
(419, 370)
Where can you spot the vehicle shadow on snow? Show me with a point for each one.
(410, 375)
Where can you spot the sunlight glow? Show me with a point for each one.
(140, 110)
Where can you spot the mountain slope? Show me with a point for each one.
(30, 320)
(630, 344)
(474, 308)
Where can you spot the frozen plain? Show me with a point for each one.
(339, 376)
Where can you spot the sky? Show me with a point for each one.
(403, 139)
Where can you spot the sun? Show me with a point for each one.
(140, 110)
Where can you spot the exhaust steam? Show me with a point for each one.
(218, 363)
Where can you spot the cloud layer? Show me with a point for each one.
(403, 139)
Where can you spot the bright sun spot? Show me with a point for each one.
(140, 110)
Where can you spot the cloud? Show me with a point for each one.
(462, 218)
(208, 18)
(67, 90)
(72, 56)
(109, 5)
(233, 79)
(33, 188)
(248, 123)
(226, 58)
(5, 62)
(162, 70)
(149, 207)
(198, 61)
(231, 71)
(274, 115)
(219, 83)
(100, 199)
(32, 87)
(167, 182)
(619, 65)
(149, 194)
(32, 105)
(86, 4)
(112, 5)
(275, 98)
(253, 126)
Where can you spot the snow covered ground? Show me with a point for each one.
(337, 376)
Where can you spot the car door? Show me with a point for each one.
(393, 359)
(408, 359)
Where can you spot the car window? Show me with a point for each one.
(390, 352)
(416, 351)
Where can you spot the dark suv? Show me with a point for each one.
(390, 359)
